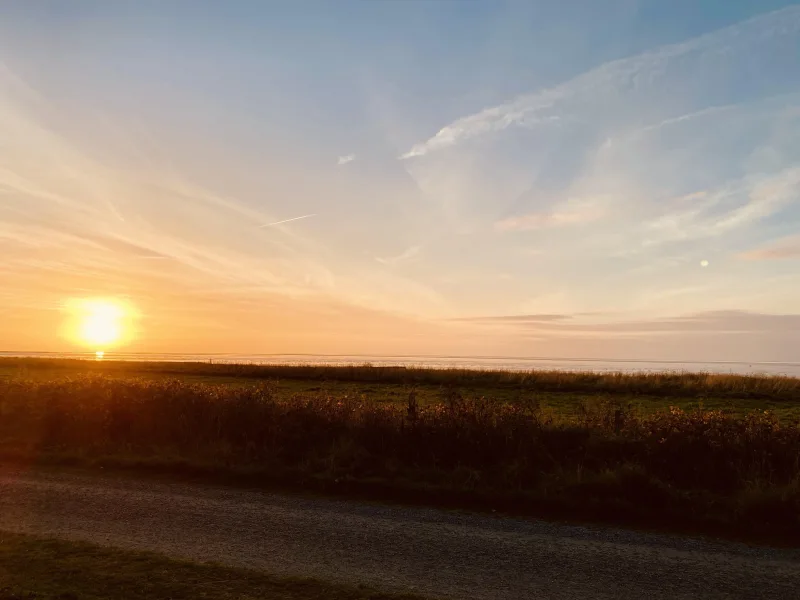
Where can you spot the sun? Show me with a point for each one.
(100, 326)
(98, 323)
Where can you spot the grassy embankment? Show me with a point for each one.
(36, 569)
(567, 445)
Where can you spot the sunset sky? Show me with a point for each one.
(580, 179)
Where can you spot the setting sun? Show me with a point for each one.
(101, 326)
(98, 323)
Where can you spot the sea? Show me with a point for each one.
(510, 363)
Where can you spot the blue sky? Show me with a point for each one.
(529, 178)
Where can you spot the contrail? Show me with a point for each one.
(288, 220)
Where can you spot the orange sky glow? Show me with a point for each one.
(169, 186)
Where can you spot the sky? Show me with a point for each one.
(587, 179)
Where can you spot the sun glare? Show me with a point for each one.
(98, 323)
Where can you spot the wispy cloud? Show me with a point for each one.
(716, 212)
(407, 254)
(61, 233)
(288, 220)
(723, 321)
(785, 248)
(516, 319)
(634, 76)
(705, 112)
(204, 216)
(570, 213)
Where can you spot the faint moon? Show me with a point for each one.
(703, 263)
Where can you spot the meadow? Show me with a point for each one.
(716, 454)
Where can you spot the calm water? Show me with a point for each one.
(480, 362)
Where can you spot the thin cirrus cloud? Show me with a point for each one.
(635, 77)
(516, 319)
(281, 222)
(736, 204)
(721, 336)
(569, 213)
(783, 249)
(74, 222)
(406, 255)
(625, 130)
(721, 322)
(584, 206)
(625, 177)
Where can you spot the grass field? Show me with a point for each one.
(715, 454)
(37, 569)
(562, 391)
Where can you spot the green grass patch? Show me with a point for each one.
(33, 568)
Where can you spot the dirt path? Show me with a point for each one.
(429, 551)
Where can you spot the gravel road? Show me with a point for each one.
(429, 551)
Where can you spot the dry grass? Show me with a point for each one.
(698, 470)
(672, 384)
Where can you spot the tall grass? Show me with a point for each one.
(675, 384)
(607, 462)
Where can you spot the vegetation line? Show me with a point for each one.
(669, 383)
(689, 470)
